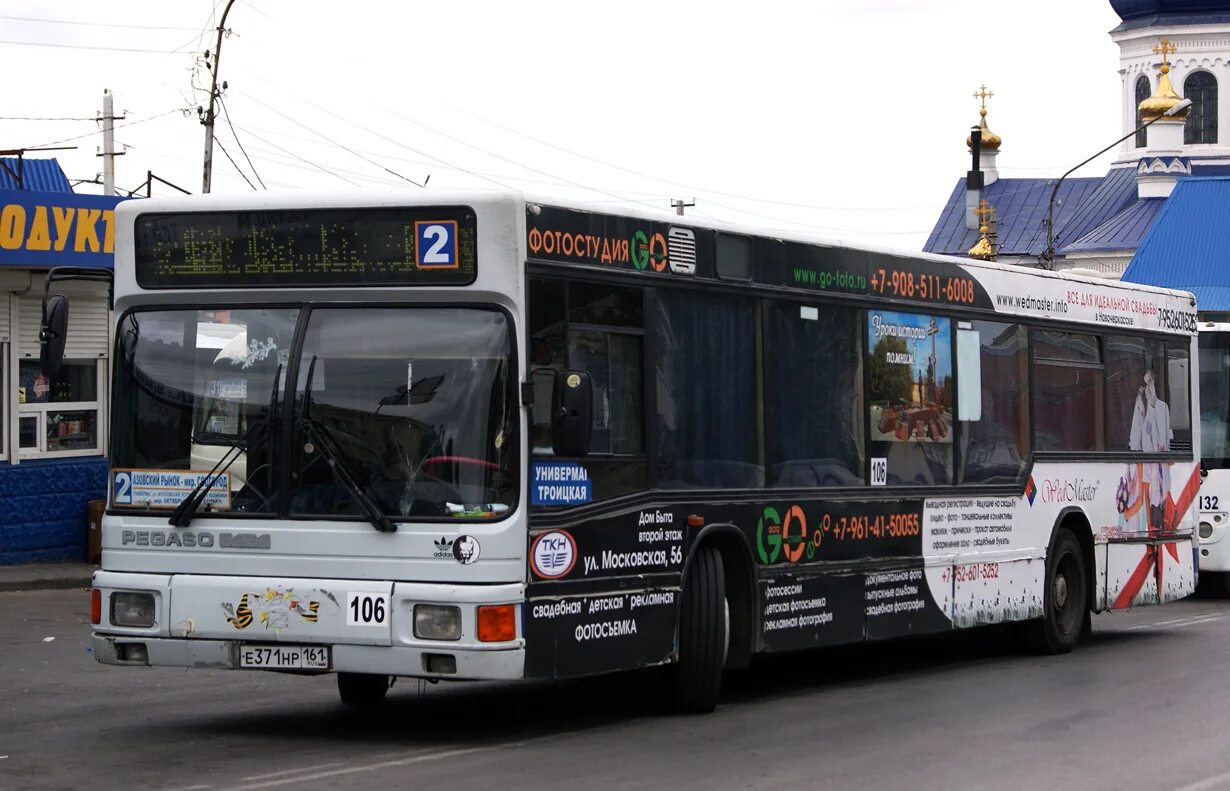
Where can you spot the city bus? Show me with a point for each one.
(1214, 498)
(480, 435)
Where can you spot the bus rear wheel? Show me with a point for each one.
(362, 689)
(1065, 605)
(703, 626)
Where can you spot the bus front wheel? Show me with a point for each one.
(1065, 605)
(362, 689)
(703, 625)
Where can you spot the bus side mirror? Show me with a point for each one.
(52, 334)
(572, 406)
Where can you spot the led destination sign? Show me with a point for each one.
(416, 246)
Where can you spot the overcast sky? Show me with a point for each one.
(846, 119)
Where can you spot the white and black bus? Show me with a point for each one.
(477, 436)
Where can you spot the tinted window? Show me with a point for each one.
(613, 361)
(546, 354)
(994, 447)
(813, 395)
(1131, 363)
(734, 257)
(705, 367)
(1215, 399)
(1067, 392)
(590, 303)
(597, 329)
(1178, 393)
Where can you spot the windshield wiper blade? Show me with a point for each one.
(322, 440)
(334, 458)
(183, 513)
(187, 508)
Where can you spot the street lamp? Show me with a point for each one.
(1048, 257)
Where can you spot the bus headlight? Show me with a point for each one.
(132, 609)
(437, 622)
(1206, 530)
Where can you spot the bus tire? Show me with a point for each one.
(362, 689)
(702, 634)
(1065, 606)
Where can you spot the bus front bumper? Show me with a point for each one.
(305, 625)
(506, 664)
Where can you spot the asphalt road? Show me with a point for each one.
(1144, 704)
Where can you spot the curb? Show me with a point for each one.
(12, 586)
(32, 579)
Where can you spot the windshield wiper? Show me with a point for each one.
(260, 431)
(183, 513)
(333, 457)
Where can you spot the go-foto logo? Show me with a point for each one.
(769, 536)
(785, 537)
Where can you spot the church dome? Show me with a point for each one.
(1132, 9)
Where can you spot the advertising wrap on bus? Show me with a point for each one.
(662, 249)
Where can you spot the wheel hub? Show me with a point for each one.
(1060, 591)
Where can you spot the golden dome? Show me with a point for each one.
(1164, 97)
(983, 249)
(990, 140)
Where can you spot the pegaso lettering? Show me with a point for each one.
(194, 539)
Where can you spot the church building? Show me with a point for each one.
(1174, 55)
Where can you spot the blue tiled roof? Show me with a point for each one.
(1187, 247)
(1115, 192)
(1121, 232)
(41, 175)
(1020, 214)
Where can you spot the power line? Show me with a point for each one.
(88, 46)
(227, 115)
(48, 118)
(117, 126)
(90, 24)
(342, 146)
(321, 168)
(232, 160)
(689, 187)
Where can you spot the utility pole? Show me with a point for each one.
(108, 152)
(208, 119)
(679, 204)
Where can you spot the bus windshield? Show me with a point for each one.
(1214, 399)
(414, 405)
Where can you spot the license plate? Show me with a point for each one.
(284, 657)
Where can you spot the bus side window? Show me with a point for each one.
(1178, 391)
(992, 403)
(546, 354)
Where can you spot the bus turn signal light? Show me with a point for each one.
(497, 623)
(96, 607)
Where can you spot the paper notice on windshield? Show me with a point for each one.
(167, 488)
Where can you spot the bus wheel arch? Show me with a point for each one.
(1069, 553)
(740, 577)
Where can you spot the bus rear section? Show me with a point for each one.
(1214, 498)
